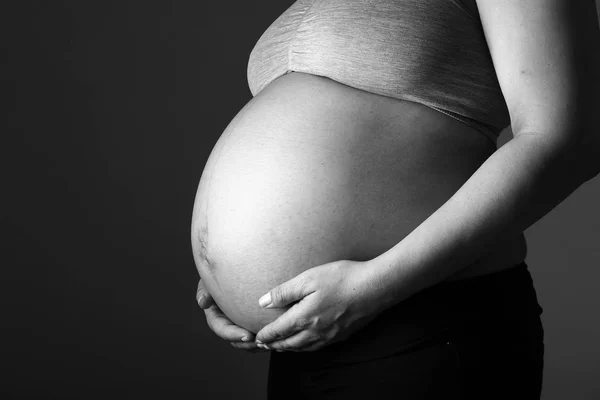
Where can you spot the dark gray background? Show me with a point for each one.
(118, 105)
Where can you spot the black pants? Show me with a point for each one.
(478, 338)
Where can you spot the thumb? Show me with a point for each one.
(203, 298)
(288, 292)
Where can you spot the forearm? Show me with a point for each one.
(516, 186)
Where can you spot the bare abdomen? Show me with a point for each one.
(311, 171)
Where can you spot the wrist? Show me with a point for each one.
(381, 292)
(396, 275)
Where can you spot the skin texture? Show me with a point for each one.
(334, 300)
(328, 174)
(354, 172)
(554, 151)
(545, 75)
(217, 321)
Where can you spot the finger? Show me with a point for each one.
(287, 324)
(293, 290)
(257, 350)
(297, 342)
(248, 346)
(203, 298)
(314, 347)
(224, 328)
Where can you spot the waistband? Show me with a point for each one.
(499, 292)
(499, 299)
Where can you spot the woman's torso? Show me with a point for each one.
(312, 171)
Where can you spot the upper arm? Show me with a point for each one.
(546, 56)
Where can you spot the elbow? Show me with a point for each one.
(581, 147)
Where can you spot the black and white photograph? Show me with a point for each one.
(301, 199)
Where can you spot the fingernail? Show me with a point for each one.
(244, 338)
(265, 301)
(263, 346)
(259, 342)
(200, 299)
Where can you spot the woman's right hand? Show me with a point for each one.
(222, 326)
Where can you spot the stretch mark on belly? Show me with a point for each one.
(203, 257)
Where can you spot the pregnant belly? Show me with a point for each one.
(312, 171)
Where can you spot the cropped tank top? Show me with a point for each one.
(431, 52)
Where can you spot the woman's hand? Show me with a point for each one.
(333, 300)
(221, 325)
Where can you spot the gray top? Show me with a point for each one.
(431, 52)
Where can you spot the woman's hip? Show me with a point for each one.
(479, 337)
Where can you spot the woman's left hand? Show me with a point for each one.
(333, 300)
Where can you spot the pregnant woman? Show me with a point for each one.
(361, 195)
